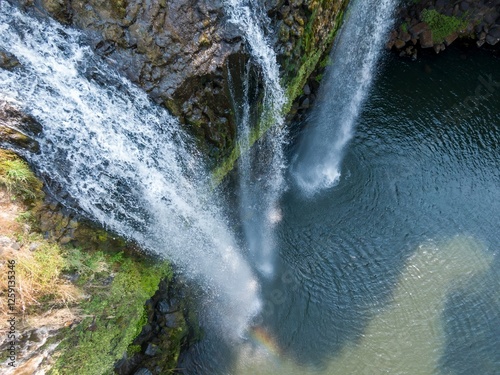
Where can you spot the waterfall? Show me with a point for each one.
(124, 161)
(261, 177)
(354, 57)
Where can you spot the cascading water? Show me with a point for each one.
(318, 161)
(124, 161)
(261, 168)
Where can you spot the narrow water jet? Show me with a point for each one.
(124, 162)
(261, 169)
(318, 161)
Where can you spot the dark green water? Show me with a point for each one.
(396, 270)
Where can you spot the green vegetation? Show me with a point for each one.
(404, 27)
(114, 313)
(311, 59)
(99, 280)
(18, 179)
(442, 25)
(38, 272)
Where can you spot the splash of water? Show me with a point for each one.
(124, 161)
(261, 168)
(354, 58)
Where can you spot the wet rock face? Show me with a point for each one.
(303, 28)
(171, 48)
(181, 51)
(165, 330)
(17, 129)
(436, 24)
(7, 60)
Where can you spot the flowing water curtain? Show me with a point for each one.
(124, 161)
(261, 168)
(317, 164)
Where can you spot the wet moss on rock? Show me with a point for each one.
(68, 264)
(307, 30)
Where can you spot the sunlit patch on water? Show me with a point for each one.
(407, 336)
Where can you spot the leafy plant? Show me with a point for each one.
(442, 25)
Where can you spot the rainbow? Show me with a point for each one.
(263, 339)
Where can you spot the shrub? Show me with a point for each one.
(442, 25)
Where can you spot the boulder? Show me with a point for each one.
(495, 32)
(491, 40)
(7, 60)
(399, 44)
(426, 39)
(450, 39)
(418, 29)
(17, 129)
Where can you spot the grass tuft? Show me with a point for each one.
(18, 179)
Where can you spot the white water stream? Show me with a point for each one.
(354, 58)
(124, 161)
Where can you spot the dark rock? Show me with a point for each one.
(399, 44)
(495, 32)
(7, 60)
(426, 39)
(163, 307)
(143, 371)
(18, 129)
(418, 29)
(404, 36)
(464, 6)
(491, 40)
(490, 17)
(173, 320)
(152, 350)
(450, 39)
(59, 9)
(305, 103)
(307, 90)
(441, 3)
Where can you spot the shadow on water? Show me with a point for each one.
(472, 327)
(421, 167)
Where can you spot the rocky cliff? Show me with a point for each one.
(180, 51)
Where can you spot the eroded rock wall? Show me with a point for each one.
(180, 51)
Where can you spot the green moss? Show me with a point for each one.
(404, 27)
(119, 7)
(115, 312)
(442, 25)
(18, 179)
(116, 281)
(294, 82)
